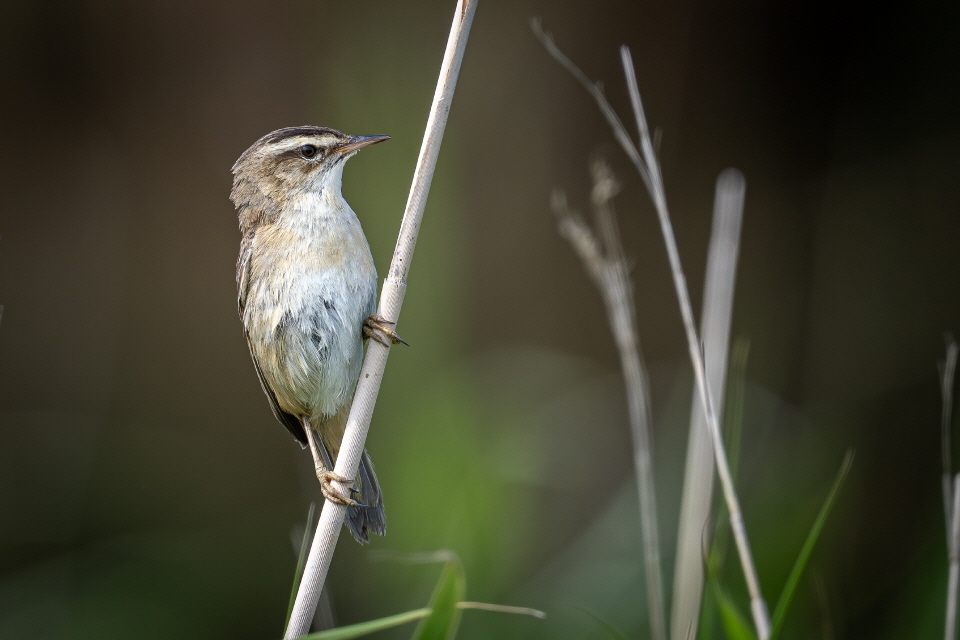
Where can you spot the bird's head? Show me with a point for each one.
(290, 162)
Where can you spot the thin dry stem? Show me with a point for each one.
(391, 299)
(649, 169)
(758, 607)
(951, 487)
(947, 370)
(953, 581)
(619, 131)
(696, 503)
(605, 262)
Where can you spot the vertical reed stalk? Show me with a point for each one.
(391, 299)
(696, 503)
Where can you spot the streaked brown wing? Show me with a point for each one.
(290, 421)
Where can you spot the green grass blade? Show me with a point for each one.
(444, 616)
(708, 612)
(371, 626)
(780, 612)
(735, 624)
(301, 561)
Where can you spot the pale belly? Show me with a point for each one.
(304, 316)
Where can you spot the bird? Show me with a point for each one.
(307, 295)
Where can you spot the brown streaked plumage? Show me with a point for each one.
(306, 293)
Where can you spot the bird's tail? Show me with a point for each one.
(368, 516)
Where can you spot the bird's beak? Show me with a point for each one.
(359, 142)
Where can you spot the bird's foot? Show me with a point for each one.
(331, 493)
(379, 328)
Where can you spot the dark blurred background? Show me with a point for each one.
(145, 488)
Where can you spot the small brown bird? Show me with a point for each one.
(307, 294)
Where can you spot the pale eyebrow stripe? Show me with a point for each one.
(289, 144)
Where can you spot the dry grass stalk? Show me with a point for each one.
(605, 262)
(947, 371)
(953, 580)
(647, 165)
(951, 486)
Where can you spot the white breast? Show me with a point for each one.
(312, 284)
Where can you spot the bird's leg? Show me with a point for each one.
(325, 475)
(378, 328)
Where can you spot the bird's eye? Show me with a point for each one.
(308, 151)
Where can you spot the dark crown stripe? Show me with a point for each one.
(294, 132)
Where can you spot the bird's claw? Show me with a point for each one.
(378, 328)
(331, 493)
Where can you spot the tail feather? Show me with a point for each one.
(370, 517)
(360, 520)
